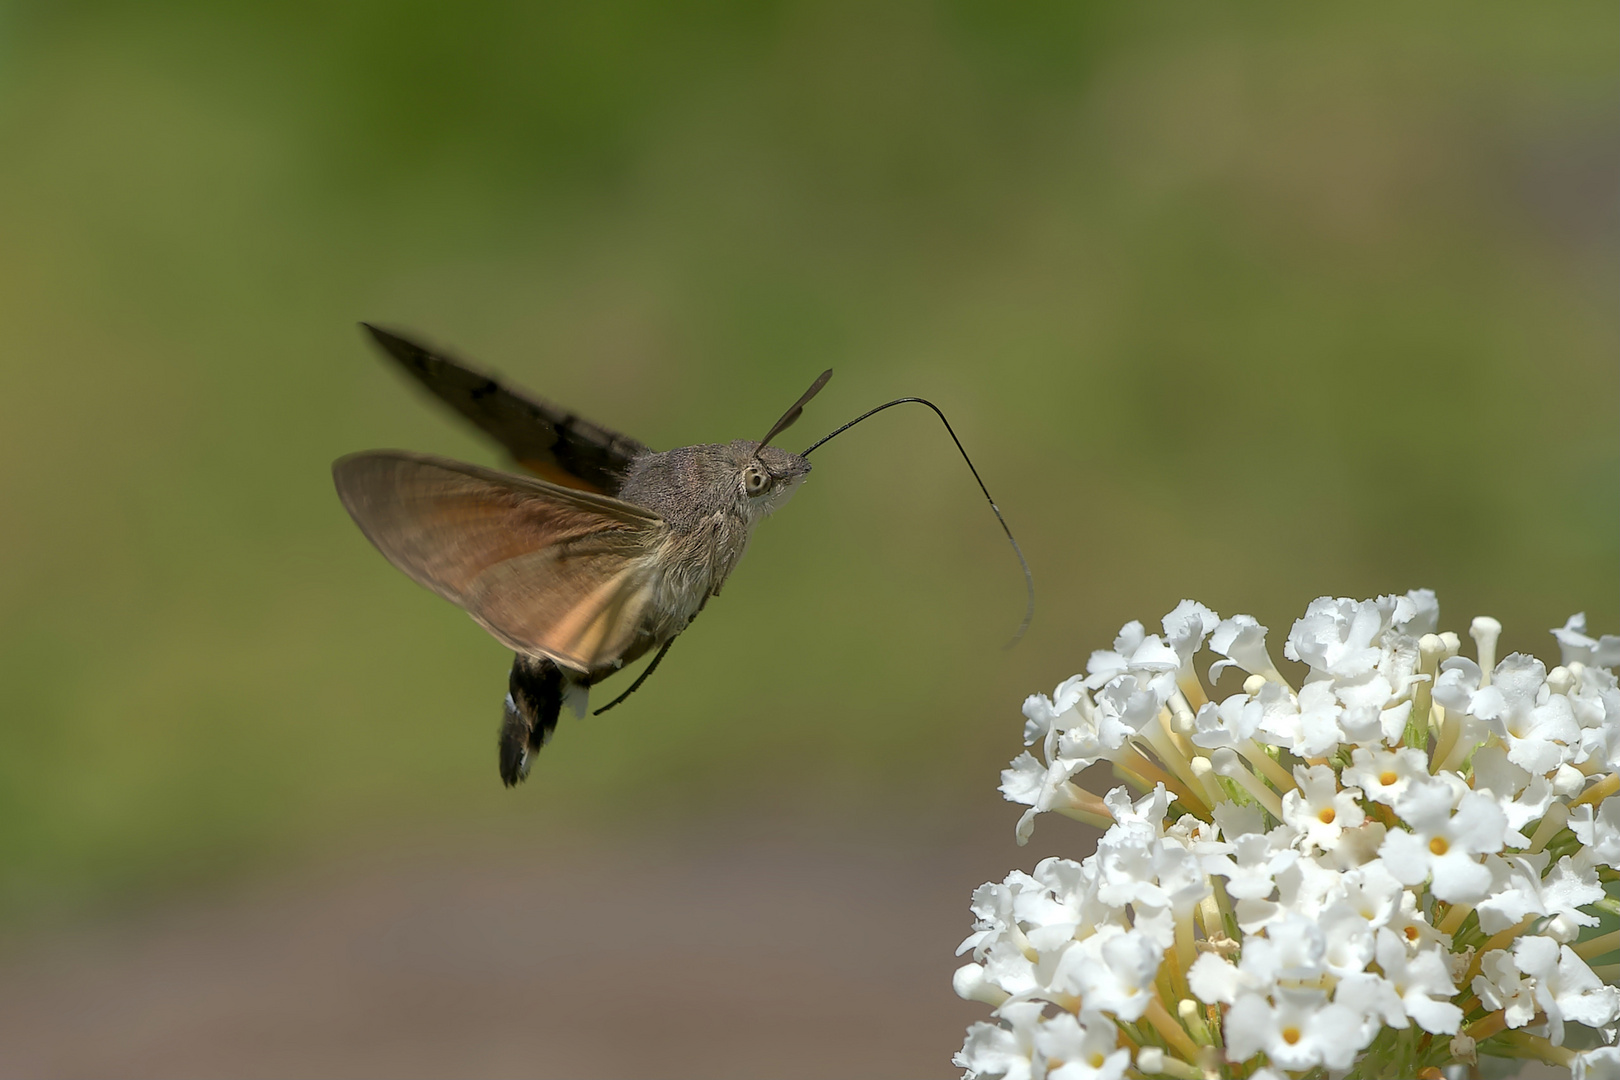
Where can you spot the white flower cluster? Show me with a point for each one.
(1397, 865)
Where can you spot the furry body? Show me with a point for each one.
(701, 493)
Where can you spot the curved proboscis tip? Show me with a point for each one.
(1029, 579)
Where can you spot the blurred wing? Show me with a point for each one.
(549, 441)
(548, 570)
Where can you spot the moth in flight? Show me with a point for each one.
(607, 552)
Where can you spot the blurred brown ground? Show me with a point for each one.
(755, 950)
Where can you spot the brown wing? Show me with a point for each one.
(545, 439)
(548, 570)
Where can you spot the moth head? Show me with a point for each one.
(767, 476)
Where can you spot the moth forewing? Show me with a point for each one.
(550, 571)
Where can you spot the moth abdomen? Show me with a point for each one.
(534, 698)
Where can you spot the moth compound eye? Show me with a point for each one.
(756, 481)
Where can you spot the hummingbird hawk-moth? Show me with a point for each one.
(607, 552)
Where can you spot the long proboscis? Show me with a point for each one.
(1029, 579)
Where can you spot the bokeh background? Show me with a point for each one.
(1246, 303)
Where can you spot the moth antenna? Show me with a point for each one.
(1029, 579)
(650, 668)
(793, 413)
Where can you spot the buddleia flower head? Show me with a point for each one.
(1397, 861)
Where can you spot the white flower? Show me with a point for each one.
(1418, 979)
(1577, 648)
(1136, 653)
(1417, 613)
(1538, 727)
(1459, 678)
(1348, 940)
(1339, 637)
(1231, 723)
(1500, 985)
(1006, 1049)
(1595, 700)
(993, 910)
(1307, 724)
(1157, 877)
(1075, 1052)
(1044, 714)
(1319, 809)
(1213, 979)
(1566, 989)
(1251, 875)
(1566, 888)
(1185, 629)
(1444, 846)
(1373, 998)
(1039, 787)
(1515, 891)
(1008, 968)
(1372, 892)
(1111, 972)
(1073, 888)
(1242, 641)
(1292, 949)
(1600, 832)
(1300, 1031)
(1522, 796)
(1126, 703)
(1029, 782)
(1413, 925)
(1383, 775)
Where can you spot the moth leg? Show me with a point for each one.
(648, 670)
(534, 698)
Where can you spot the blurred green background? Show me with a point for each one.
(1246, 303)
